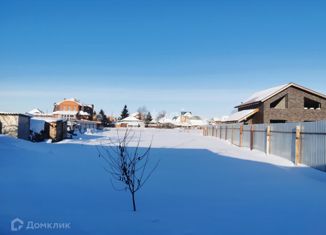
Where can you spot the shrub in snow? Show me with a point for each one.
(127, 166)
(36, 137)
(90, 131)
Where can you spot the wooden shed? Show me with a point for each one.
(57, 130)
(49, 128)
(15, 124)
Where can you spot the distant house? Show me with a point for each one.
(185, 116)
(196, 121)
(166, 120)
(286, 103)
(73, 109)
(185, 119)
(130, 121)
(136, 115)
(35, 112)
(83, 125)
(15, 124)
(218, 120)
(38, 113)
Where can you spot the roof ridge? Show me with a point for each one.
(263, 95)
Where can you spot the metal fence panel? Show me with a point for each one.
(213, 131)
(236, 134)
(313, 150)
(229, 133)
(223, 130)
(283, 140)
(209, 130)
(246, 136)
(218, 131)
(260, 132)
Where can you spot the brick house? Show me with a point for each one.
(185, 117)
(287, 103)
(73, 109)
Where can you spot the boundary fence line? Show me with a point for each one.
(301, 143)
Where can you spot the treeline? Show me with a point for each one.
(142, 114)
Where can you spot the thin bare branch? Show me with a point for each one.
(127, 165)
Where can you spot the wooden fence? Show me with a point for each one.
(301, 143)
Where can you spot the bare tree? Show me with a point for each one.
(160, 115)
(128, 166)
(142, 111)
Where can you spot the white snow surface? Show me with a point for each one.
(64, 112)
(35, 111)
(47, 119)
(202, 186)
(200, 122)
(130, 119)
(261, 95)
(84, 113)
(166, 120)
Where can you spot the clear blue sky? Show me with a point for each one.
(203, 56)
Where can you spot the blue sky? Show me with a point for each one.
(203, 56)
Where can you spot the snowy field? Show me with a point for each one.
(201, 186)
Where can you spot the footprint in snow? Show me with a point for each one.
(154, 221)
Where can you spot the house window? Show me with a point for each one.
(311, 104)
(281, 103)
(277, 121)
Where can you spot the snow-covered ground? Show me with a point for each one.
(202, 186)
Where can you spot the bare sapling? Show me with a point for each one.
(127, 165)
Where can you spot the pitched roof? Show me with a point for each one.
(65, 112)
(134, 114)
(71, 99)
(220, 119)
(14, 114)
(130, 119)
(197, 122)
(47, 119)
(35, 111)
(264, 95)
(242, 115)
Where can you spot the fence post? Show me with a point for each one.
(226, 132)
(232, 129)
(297, 145)
(268, 140)
(240, 138)
(251, 137)
(220, 132)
